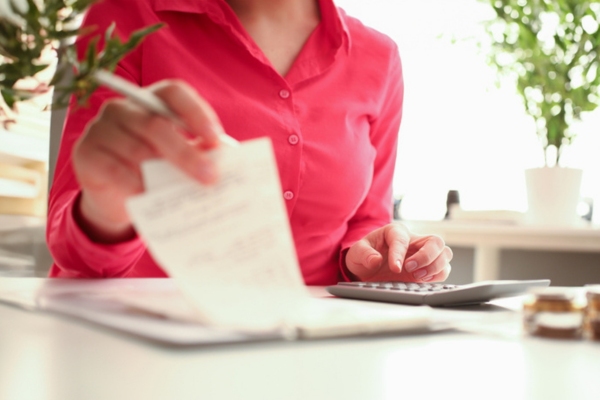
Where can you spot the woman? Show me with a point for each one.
(326, 89)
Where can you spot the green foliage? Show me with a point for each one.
(551, 48)
(22, 47)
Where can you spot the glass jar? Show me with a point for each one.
(592, 317)
(554, 313)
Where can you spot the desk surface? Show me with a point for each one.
(45, 356)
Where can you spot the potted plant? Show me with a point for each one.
(37, 42)
(29, 29)
(551, 49)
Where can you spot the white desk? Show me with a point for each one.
(47, 357)
(489, 238)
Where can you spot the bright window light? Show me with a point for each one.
(459, 130)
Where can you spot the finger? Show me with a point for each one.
(124, 145)
(161, 135)
(428, 248)
(363, 260)
(398, 239)
(195, 112)
(109, 170)
(435, 267)
(441, 276)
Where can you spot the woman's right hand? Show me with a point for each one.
(107, 157)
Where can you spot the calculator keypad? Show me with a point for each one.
(435, 294)
(403, 286)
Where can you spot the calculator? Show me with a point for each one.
(434, 294)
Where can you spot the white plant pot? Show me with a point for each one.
(553, 194)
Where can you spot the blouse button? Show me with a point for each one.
(288, 195)
(293, 139)
(284, 94)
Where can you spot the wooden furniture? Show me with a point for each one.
(29, 194)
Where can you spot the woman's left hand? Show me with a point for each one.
(393, 253)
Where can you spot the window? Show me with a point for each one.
(460, 131)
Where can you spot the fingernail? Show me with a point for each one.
(420, 273)
(411, 266)
(427, 278)
(398, 266)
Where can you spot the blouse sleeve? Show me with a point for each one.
(75, 255)
(376, 210)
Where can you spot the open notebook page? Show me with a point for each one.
(227, 245)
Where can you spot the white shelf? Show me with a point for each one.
(16, 222)
(488, 238)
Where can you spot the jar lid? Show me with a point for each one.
(593, 289)
(552, 293)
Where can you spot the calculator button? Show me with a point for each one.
(386, 285)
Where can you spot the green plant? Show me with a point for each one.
(28, 28)
(551, 48)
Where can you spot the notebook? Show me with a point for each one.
(229, 252)
(155, 310)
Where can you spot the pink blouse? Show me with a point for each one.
(333, 120)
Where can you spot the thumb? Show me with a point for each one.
(362, 259)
